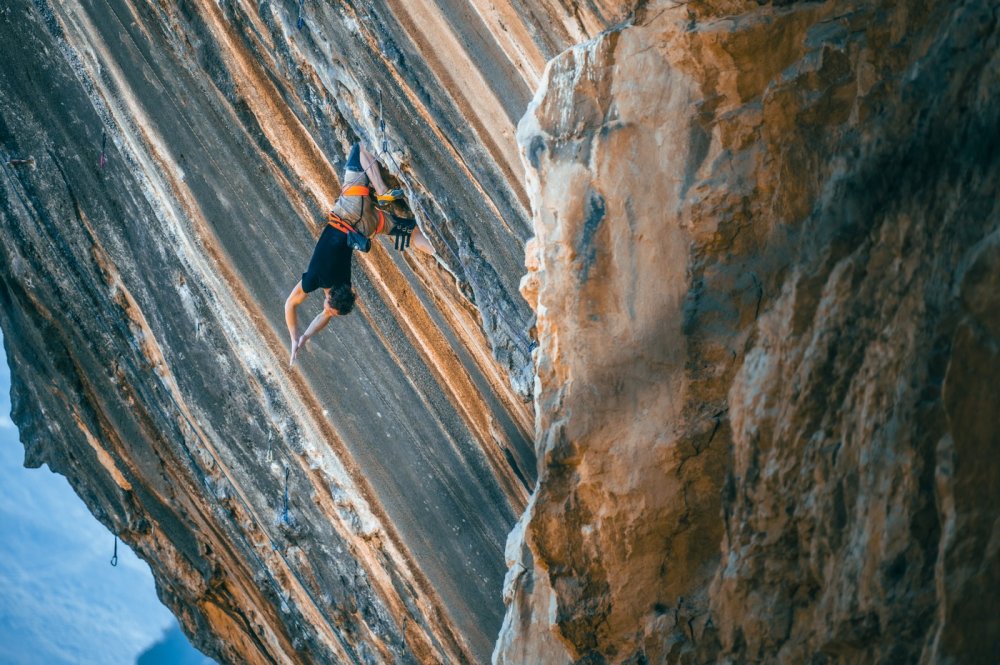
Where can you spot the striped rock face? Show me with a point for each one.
(184, 155)
(739, 409)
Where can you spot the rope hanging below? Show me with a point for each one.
(284, 512)
(114, 557)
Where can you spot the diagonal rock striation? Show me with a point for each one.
(758, 324)
(142, 303)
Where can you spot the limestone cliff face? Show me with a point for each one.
(183, 154)
(764, 269)
(759, 322)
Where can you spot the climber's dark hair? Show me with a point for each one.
(341, 298)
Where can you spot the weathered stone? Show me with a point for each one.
(760, 322)
(750, 232)
(142, 307)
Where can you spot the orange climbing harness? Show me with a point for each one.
(339, 223)
(356, 190)
(344, 226)
(355, 239)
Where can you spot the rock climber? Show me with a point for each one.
(355, 218)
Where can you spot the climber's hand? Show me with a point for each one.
(402, 231)
(401, 239)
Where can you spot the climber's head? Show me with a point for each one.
(339, 300)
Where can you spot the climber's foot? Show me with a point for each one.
(390, 196)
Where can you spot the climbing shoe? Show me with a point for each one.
(390, 196)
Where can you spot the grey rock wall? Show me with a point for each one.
(758, 323)
(142, 307)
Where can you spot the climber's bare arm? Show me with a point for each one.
(295, 298)
(371, 167)
(317, 324)
(418, 240)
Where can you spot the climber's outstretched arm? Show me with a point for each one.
(295, 298)
(371, 167)
(420, 241)
(317, 324)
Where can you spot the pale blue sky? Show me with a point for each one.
(61, 602)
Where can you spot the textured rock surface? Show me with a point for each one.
(142, 306)
(764, 283)
(764, 244)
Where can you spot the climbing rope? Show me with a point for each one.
(381, 124)
(284, 511)
(103, 159)
(114, 557)
(385, 142)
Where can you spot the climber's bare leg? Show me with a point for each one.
(371, 168)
